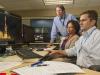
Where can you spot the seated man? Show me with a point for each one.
(87, 48)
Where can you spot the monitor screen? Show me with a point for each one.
(42, 22)
(42, 29)
(12, 28)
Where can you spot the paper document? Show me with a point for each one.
(50, 48)
(7, 65)
(14, 58)
(52, 68)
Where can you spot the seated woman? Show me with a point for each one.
(73, 28)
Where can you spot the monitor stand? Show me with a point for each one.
(6, 49)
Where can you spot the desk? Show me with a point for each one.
(89, 72)
(30, 61)
(43, 45)
(17, 58)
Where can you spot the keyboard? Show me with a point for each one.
(27, 54)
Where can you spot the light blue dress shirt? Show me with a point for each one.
(59, 25)
(87, 48)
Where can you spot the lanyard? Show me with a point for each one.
(62, 20)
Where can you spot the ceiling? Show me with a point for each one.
(20, 6)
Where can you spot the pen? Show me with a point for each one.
(37, 63)
(42, 65)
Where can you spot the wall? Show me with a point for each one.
(26, 20)
(98, 23)
(45, 14)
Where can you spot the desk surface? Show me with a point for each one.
(29, 61)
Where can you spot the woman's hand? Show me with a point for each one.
(49, 45)
(56, 52)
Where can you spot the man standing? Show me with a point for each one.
(60, 22)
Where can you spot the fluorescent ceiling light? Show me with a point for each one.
(1, 6)
(54, 2)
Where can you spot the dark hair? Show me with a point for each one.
(76, 25)
(92, 14)
(61, 7)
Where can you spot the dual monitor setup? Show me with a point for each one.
(13, 31)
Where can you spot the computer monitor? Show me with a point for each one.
(28, 34)
(14, 28)
(42, 29)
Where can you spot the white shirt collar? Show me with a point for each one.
(88, 33)
(62, 17)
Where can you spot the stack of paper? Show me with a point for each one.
(6, 65)
(52, 68)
